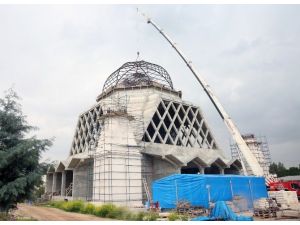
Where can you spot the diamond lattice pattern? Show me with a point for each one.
(87, 130)
(179, 124)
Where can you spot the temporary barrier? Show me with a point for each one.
(199, 190)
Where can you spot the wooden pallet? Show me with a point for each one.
(266, 213)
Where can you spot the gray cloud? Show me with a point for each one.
(58, 57)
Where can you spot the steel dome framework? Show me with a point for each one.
(138, 73)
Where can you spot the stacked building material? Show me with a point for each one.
(286, 199)
(261, 203)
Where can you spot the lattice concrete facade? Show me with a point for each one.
(139, 128)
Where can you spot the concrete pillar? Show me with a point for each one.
(201, 170)
(49, 182)
(63, 183)
(222, 170)
(54, 182)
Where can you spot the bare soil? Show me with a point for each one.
(53, 214)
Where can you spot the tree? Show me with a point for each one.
(273, 168)
(20, 170)
(281, 171)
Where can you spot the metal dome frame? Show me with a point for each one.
(138, 73)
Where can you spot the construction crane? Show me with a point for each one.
(232, 128)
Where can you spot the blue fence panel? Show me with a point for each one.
(198, 189)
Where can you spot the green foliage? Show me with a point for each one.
(88, 209)
(20, 170)
(137, 216)
(57, 204)
(282, 171)
(151, 216)
(4, 216)
(73, 206)
(175, 216)
(105, 210)
(119, 213)
(25, 219)
(69, 206)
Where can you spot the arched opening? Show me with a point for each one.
(213, 169)
(190, 168)
(69, 183)
(57, 187)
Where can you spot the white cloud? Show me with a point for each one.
(59, 56)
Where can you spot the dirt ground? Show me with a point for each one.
(52, 214)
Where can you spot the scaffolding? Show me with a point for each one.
(259, 148)
(117, 174)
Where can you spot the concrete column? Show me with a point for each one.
(63, 183)
(49, 182)
(201, 170)
(54, 183)
(222, 170)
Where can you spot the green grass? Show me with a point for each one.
(69, 206)
(177, 217)
(105, 210)
(26, 219)
(88, 209)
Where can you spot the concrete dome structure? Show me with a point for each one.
(139, 130)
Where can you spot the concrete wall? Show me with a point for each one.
(117, 167)
(49, 182)
(162, 168)
(57, 187)
(80, 181)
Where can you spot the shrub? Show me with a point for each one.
(106, 210)
(151, 216)
(57, 204)
(103, 210)
(174, 216)
(88, 209)
(70, 206)
(129, 216)
(73, 206)
(4, 216)
(117, 213)
(184, 218)
(138, 216)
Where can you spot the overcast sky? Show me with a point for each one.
(57, 58)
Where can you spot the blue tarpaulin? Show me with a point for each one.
(221, 211)
(199, 189)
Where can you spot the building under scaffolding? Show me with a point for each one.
(259, 148)
(139, 130)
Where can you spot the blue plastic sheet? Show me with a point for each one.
(202, 218)
(221, 211)
(199, 190)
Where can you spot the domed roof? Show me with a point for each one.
(138, 73)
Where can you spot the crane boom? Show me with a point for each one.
(232, 128)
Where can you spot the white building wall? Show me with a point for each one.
(117, 164)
